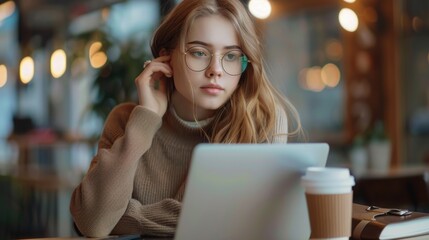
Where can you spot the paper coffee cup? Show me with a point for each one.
(329, 200)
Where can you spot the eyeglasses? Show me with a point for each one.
(233, 62)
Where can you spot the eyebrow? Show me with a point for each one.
(209, 45)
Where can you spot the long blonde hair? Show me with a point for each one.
(250, 114)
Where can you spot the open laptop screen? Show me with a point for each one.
(248, 191)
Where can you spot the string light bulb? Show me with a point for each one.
(348, 19)
(97, 57)
(260, 8)
(58, 63)
(26, 70)
(3, 75)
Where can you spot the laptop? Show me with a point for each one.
(248, 191)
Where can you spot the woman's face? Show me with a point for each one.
(208, 88)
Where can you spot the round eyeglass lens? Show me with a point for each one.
(233, 62)
(197, 58)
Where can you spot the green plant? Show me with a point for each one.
(378, 132)
(114, 82)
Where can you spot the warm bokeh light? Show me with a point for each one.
(98, 59)
(314, 79)
(348, 19)
(6, 9)
(334, 49)
(349, 1)
(363, 61)
(26, 70)
(330, 75)
(260, 8)
(3, 75)
(58, 63)
(95, 47)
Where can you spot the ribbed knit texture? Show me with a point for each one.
(136, 180)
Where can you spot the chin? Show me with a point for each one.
(211, 105)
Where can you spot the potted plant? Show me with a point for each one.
(114, 82)
(379, 148)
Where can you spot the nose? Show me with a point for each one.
(215, 68)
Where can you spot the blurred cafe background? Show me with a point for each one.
(357, 71)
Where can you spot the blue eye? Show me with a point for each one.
(231, 56)
(199, 53)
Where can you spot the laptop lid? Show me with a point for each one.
(248, 191)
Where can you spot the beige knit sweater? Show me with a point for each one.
(136, 180)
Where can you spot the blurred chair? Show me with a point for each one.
(409, 191)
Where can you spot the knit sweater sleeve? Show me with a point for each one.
(105, 193)
(157, 219)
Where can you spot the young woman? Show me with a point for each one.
(206, 84)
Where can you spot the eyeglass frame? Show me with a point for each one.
(211, 58)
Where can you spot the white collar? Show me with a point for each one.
(191, 124)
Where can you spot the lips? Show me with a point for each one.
(212, 89)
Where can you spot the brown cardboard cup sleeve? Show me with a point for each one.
(330, 214)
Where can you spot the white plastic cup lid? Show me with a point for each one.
(327, 180)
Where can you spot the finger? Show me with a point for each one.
(165, 58)
(161, 73)
(151, 72)
(157, 66)
(162, 59)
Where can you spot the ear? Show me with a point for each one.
(170, 84)
(164, 52)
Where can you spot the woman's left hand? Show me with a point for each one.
(151, 85)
